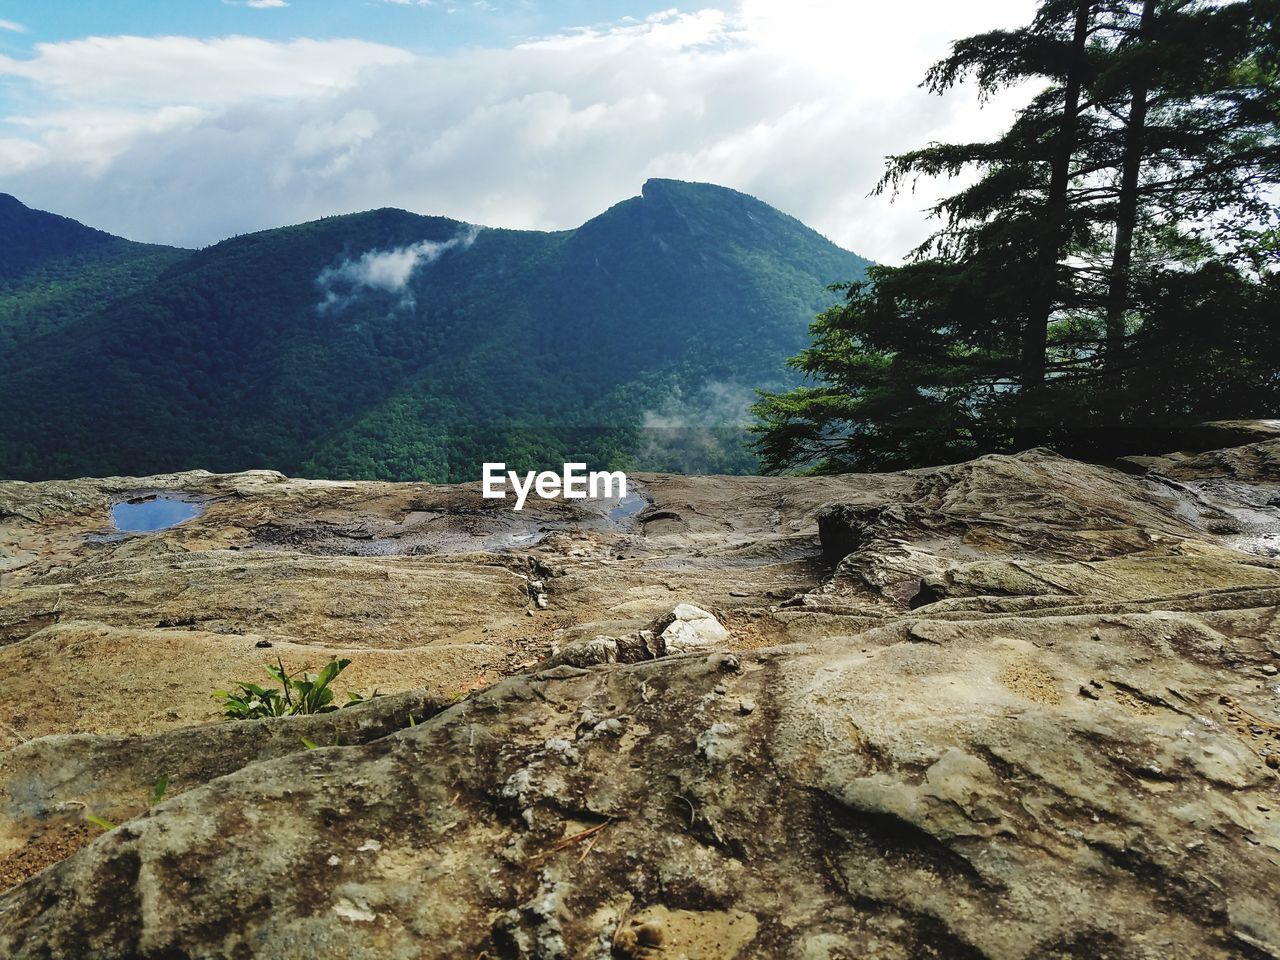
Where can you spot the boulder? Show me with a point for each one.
(585, 653)
(689, 629)
(641, 645)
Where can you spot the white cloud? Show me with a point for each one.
(19, 155)
(388, 271)
(12, 27)
(186, 71)
(266, 4)
(94, 137)
(797, 103)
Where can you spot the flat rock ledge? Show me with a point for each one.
(1024, 708)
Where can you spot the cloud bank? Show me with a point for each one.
(179, 140)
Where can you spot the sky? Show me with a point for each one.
(188, 121)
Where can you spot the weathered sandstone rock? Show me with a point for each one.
(1025, 707)
(689, 629)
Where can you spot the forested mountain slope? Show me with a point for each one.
(54, 270)
(391, 345)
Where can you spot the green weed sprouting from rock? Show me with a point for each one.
(158, 790)
(308, 693)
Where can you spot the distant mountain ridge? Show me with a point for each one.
(391, 345)
(53, 269)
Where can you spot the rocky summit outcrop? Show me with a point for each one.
(1022, 707)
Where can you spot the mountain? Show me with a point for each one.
(54, 270)
(391, 345)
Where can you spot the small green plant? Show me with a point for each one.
(305, 694)
(158, 790)
(312, 745)
(361, 698)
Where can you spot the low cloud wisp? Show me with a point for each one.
(385, 271)
(698, 428)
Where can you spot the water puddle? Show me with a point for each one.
(629, 505)
(148, 514)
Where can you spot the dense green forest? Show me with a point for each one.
(397, 346)
(1109, 273)
(54, 271)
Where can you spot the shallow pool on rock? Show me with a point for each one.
(629, 505)
(152, 513)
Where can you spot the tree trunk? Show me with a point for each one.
(1040, 307)
(1127, 207)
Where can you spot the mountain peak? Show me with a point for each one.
(693, 195)
(666, 186)
(668, 209)
(661, 185)
(35, 241)
(30, 237)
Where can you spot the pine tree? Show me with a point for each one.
(1150, 150)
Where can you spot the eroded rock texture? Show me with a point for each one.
(1020, 707)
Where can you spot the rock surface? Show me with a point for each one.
(689, 629)
(1019, 707)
